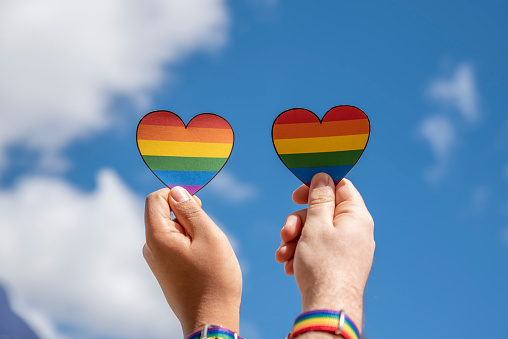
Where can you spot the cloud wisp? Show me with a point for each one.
(63, 60)
(457, 93)
(456, 99)
(439, 132)
(231, 189)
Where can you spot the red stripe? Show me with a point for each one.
(296, 116)
(164, 118)
(344, 113)
(167, 118)
(209, 121)
(339, 113)
(314, 328)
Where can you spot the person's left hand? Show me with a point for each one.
(192, 260)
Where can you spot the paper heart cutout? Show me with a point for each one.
(187, 156)
(308, 145)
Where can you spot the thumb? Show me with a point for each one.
(321, 203)
(189, 213)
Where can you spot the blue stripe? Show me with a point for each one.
(336, 172)
(183, 178)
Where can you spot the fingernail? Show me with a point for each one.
(321, 180)
(179, 194)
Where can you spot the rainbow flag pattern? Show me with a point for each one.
(307, 145)
(326, 321)
(187, 156)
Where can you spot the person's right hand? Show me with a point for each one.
(192, 260)
(329, 246)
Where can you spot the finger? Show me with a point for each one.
(350, 202)
(346, 191)
(286, 251)
(289, 267)
(189, 214)
(278, 252)
(321, 204)
(198, 200)
(347, 198)
(157, 211)
(301, 195)
(293, 225)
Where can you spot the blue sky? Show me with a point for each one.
(430, 75)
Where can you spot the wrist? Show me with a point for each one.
(228, 317)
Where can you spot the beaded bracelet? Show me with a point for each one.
(334, 322)
(214, 332)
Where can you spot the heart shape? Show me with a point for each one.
(187, 156)
(308, 145)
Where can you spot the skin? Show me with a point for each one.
(192, 260)
(329, 247)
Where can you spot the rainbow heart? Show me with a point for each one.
(188, 156)
(307, 145)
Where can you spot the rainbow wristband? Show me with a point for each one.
(214, 332)
(334, 322)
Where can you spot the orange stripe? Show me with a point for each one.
(326, 129)
(189, 134)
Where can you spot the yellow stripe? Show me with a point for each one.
(324, 144)
(184, 149)
(315, 322)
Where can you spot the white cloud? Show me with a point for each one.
(439, 132)
(73, 258)
(231, 189)
(62, 61)
(457, 92)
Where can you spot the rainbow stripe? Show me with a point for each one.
(215, 332)
(308, 146)
(325, 321)
(184, 156)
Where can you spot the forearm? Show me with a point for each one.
(337, 298)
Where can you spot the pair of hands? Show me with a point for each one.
(329, 247)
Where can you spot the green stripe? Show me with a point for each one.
(301, 160)
(161, 163)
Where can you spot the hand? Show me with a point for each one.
(329, 246)
(192, 260)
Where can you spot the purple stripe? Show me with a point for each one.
(190, 188)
